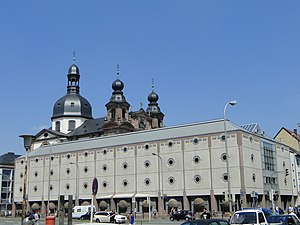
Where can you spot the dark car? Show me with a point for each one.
(283, 220)
(86, 216)
(207, 222)
(182, 215)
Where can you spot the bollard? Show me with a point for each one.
(50, 220)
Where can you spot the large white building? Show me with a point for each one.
(134, 156)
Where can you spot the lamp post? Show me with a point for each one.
(232, 103)
(77, 180)
(162, 181)
(27, 139)
(49, 176)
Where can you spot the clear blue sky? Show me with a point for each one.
(201, 54)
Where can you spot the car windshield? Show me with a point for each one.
(244, 218)
(276, 219)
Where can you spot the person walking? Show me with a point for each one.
(131, 218)
(36, 217)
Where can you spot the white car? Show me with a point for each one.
(120, 219)
(249, 216)
(108, 217)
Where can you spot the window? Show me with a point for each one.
(85, 169)
(72, 124)
(68, 170)
(146, 146)
(268, 156)
(125, 183)
(52, 158)
(125, 166)
(68, 156)
(225, 177)
(35, 173)
(51, 187)
(196, 159)
(141, 125)
(252, 157)
(125, 149)
(170, 144)
(171, 180)
(104, 184)
(86, 154)
(171, 162)
(113, 113)
(104, 152)
(195, 141)
(253, 177)
(57, 126)
(21, 175)
(224, 157)
(147, 163)
(67, 186)
(72, 104)
(35, 188)
(51, 172)
(147, 181)
(197, 179)
(123, 113)
(36, 160)
(85, 185)
(104, 167)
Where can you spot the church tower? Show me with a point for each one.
(154, 110)
(117, 118)
(70, 111)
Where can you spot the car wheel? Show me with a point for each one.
(81, 217)
(97, 221)
(187, 219)
(171, 218)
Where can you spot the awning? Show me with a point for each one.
(125, 195)
(141, 195)
(104, 196)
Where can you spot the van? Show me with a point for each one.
(79, 212)
(249, 216)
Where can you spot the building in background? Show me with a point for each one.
(135, 157)
(7, 163)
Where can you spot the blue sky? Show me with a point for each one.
(201, 54)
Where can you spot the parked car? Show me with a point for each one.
(283, 220)
(249, 216)
(207, 222)
(119, 219)
(182, 215)
(103, 216)
(81, 212)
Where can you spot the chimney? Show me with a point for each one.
(295, 131)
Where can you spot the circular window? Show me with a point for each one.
(45, 134)
(68, 156)
(147, 181)
(35, 188)
(124, 149)
(253, 177)
(104, 167)
(85, 169)
(67, 186)
(197, 178)
(22, 161)
(283, 163)
(21, 175)
(171, 162)
(51, 187)
(147, 163)
(196, 159)
(104, 152)
(36, 160)
(104, 184)
(125, 166)
(85, 154)
(252, 157)
(224, 157)
(52, 158)
(223, 137)
(147, 147)
(125, 183)
(20, 189)
(170, 144)
(171, 180)
(85, 185)
(225, 177)
(36, 173)
(51, 172)
(195, 141)
(68, 170)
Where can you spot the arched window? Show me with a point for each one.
(113, 113)
(72, 125)
(57, 126)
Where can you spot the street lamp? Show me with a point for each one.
(232, 103)
(49, 176)
(77, 183)
(27, 139)
(162, 181)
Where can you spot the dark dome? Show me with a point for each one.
(153, 97)
(72, 105)
(117, 85)
(73, 69)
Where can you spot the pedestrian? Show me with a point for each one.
(131, 218)
(277, 210)
(36, 217)
(205, 214)
(291, 208)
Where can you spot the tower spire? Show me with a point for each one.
(74, 58)
(118, 71)
(152, 84)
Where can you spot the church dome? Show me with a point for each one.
(72, 105)
(117, 85)
(153, 97)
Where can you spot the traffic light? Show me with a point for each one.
(286, 172)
